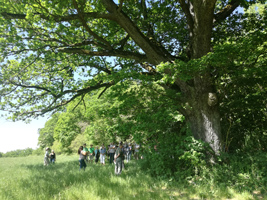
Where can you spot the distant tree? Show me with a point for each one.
(46, 134)
(77, 142)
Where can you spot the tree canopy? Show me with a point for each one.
(55, 52)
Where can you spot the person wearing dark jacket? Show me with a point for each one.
(97, 155)
(52, 157)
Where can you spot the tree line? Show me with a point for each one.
(18, 153)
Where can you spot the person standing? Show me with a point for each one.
(91, 153)
(97, 155)
(126, 152)
(112, 148)
(87, 151)
(136, 151)
(46, 156)
(130, 151)
(82, 156)
(118, 159)
(52, 157)
(108, 152)
(102, 154)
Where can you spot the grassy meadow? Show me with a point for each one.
(26, 178)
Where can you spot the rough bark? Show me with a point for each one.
(202, 111)
(204, 119)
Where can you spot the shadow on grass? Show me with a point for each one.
(64, 180)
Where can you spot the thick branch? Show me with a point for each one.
(150, 32)
(155, 53)
(120, 6)
(123, 42)
(97, 67)
(57, 18)
(189, 17)
(31, 87)
(148, 67)
(226, 11)
(54, 105)
(122, 54)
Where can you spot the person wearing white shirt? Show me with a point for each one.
(136, 151)
(102, 154)
(112, 149)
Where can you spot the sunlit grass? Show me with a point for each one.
(27, 178)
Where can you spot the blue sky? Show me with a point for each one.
(19, 135)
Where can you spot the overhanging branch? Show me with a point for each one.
(226, 11)
(122, 54)
(58, 18)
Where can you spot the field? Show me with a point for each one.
(26, 178)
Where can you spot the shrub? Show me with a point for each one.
(177, 157)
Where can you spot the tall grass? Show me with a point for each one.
(27, 179)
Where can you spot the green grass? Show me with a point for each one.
(26, 178)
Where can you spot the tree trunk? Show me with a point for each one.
(204, 120)
(202, 111)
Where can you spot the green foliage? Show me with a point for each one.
(143, 112)
(77, 142)
(176, 157)
(143, 117)
(62, 56)
(240, 172)
(37, 152)
(59, 149)
(66, 128)
(46, 134)
(242, 85)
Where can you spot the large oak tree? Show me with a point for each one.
(53, 52)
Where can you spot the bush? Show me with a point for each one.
(177, 157)
(240, 172)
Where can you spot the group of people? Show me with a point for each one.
(116, 153)
(49, 157)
